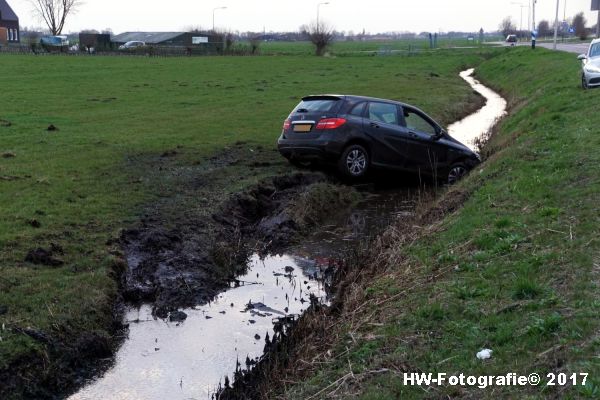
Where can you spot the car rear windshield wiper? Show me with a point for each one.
(302, 110)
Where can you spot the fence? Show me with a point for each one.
(207, 49)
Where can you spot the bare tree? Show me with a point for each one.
(507, 27)
(579, 24)
(55, 12)
(321, 35)
(255, 41)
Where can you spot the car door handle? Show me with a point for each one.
(374, 125)
(413, 135)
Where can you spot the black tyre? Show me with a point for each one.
(456, 173)
(584, 84)
(354, 162)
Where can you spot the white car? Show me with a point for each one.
(134, 44)
(590, 76)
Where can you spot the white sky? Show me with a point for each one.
(287, 15)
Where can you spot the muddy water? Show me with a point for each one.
(478, 125)
(188, 359)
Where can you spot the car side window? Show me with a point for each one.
(358, 110)
(383, 112)
(416, 122)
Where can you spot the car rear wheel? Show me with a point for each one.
(584, 84)
(457, 172)
(354, 161)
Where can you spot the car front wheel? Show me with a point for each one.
(457, 172)
(354, 161)
(584, 84)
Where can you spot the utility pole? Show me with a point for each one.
(533, 33)
(556, 24)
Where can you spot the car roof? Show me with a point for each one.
(355, 98)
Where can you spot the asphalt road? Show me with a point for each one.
(577, 48)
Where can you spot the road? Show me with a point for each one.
(577, 48)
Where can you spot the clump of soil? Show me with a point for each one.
(41, 256)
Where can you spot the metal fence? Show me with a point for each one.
(207, 49)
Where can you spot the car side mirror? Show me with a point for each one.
(582, 57)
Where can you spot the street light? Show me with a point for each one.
(215, 9)
(318, 11)
(521, 23)
(556, 24)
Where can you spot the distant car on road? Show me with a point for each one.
(590, 74)
(512, 39)
(134, 44)
(358, 133)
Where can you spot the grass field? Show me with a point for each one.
(77, 186)
(515, 270)
(357, 47)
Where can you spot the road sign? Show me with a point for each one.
(571, 30)
(595, 5)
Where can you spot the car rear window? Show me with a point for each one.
(317, 105)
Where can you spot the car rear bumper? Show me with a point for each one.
(310, 150)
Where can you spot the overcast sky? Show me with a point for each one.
(287, 15)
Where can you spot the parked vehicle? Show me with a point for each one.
(132, 45)
(512, 39)
(590, 74)
(55, 43)
(359, 133)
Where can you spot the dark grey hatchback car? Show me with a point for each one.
(359, 133)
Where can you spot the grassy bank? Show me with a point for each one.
(132, 132)
(515, 269)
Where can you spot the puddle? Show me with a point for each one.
(188, 359)
(479, 124)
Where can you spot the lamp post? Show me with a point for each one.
(556, 24)
(318, 13)
(521, 21)
(215, 9)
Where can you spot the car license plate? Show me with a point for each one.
(302, 127)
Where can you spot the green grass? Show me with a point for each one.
(358, 47)
(116, 116)
(518, 265)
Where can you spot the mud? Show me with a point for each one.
(41, 256)
(187, 262)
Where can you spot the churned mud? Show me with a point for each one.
(188, 262)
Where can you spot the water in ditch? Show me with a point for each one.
(188, 359)
(477, 126)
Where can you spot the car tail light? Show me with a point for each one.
(330, 123)
(286, 124)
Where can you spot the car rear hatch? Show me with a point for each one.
(309, 117)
